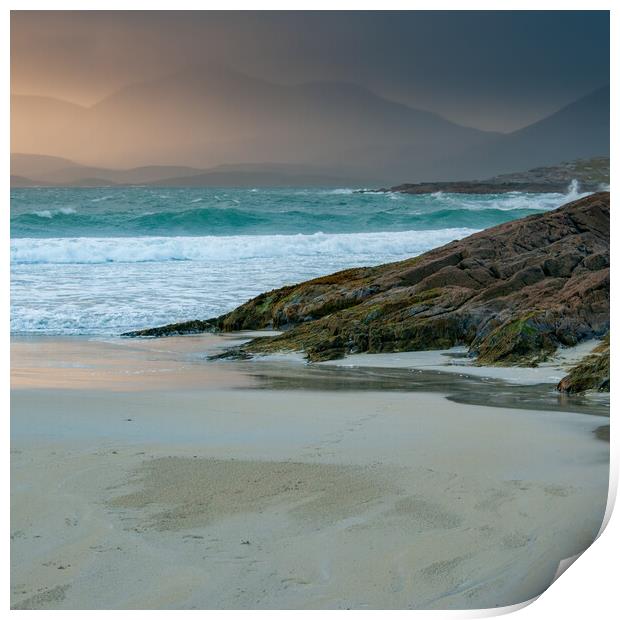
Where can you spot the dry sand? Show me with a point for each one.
(234, 497)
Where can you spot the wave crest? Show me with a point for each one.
(90, 250)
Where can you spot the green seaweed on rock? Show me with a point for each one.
(512, 294)
(525, 341)
(592, 373)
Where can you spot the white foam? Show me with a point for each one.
(47, 214)
(512, 201)
(81, 250)
(340, 191)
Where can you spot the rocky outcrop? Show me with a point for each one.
(512, 293)
(591, 175)
(174, 329)
(482, 187)
(592, 373)
(592, 172)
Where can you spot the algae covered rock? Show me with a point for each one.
(592, 373)
(524, 340)
(175, 329)
(511, 293)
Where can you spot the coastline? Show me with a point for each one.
(514, 293)
(321, 497)
(591, 175)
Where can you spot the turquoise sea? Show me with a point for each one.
(102, 260)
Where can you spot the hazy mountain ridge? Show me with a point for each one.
(242, 175)
(592, 175)
(202, 117)
(579, 130)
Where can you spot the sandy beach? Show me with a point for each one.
(235, 489)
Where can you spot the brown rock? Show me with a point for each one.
(512, 293)
(591, 373)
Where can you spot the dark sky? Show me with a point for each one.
(493, 70)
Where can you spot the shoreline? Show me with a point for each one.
(200, 362)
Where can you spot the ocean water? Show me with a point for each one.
(100, 261)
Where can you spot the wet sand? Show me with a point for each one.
(145, 477)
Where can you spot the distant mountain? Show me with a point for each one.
(204, 116)
(259, 176)
(60, 171)
(19, 181)
(40, 170)
(579, 130)
(133, 176)
(37, 166)
(147, 174)
(92, 182)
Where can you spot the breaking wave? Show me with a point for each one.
(90, 250)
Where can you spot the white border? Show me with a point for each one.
(588, 588)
